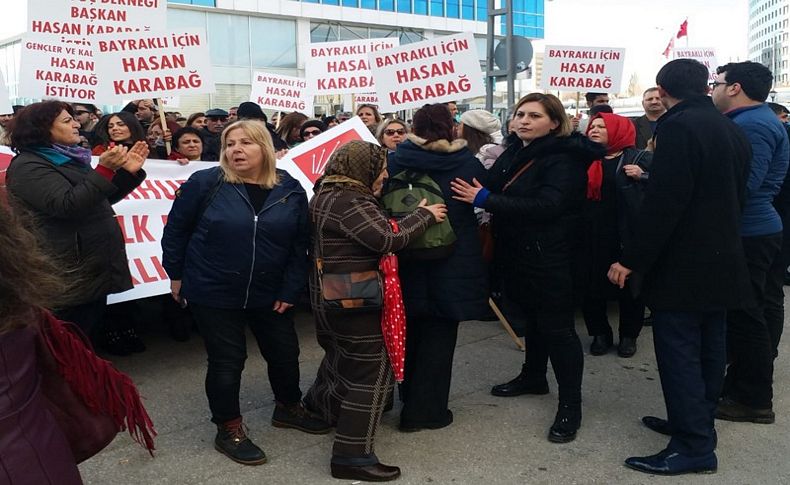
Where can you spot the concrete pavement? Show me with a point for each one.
(492, 441)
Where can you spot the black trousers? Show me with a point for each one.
(691, 355)
(752, 333)
(223, 332)
(87, 316)
(430, 347)
(632, 315)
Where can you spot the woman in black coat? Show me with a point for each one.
(71, 203)
(535, 191)
(615, 185)
(438, 292)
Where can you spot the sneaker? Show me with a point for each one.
(233, 442)
(295, 416)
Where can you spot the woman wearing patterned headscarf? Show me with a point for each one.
(350, 232)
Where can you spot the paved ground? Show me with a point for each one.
(493, 440)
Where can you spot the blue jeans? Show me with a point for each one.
(691, 353)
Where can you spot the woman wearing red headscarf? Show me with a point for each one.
(614, 187)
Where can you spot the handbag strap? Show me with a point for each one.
(518, 174)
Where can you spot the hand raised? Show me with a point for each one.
(136, 157)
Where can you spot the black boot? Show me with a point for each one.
(232, 441)
(522, 384)
(566, 423)
(627, 347)
(114, 345)
(131, 341)
(601, 344)
(295, 416)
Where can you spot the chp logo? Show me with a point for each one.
(313, 163)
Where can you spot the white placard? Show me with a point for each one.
(366, 98)
(84, 19)
(281, 93)
(432, 71)
(342, 67)
(5, 100)
(53, 67)
(307, 161)
(705, 55)
(570, 68)
(153, 65)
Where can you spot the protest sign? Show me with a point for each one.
(54, 68)
(307, 161)
(342, 67)
(567, 68)
(142, 216)
(366, 98)
(432, 71)
(152, 65)
(281, 93)
(82, 19)
(5, 98)
(705, 55)
(5, 159)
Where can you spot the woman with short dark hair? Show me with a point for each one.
(187, 145)
(535, 192)
(71, 203)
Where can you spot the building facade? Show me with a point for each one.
(245, 36)
(768, 37)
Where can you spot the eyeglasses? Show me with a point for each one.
(392, 132)
(311, 133)
(713, 84)
(218, 118)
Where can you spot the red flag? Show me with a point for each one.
(684, 29)
(669, 48)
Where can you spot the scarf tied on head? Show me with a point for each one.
(355, 166)
(621, 134)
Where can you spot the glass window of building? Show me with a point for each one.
(437, 8)
(371, 4)
(352, 33)
(404, 6)
(185, 19)
(453, 9)
(229, 39)
(388, 5)
(323, 33)
(421, 7)
(281, 54)
(468, 9)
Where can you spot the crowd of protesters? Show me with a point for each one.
(682, 211)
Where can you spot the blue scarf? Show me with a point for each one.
(62, 154)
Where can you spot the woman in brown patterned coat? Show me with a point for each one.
(350, 232)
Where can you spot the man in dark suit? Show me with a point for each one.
(687, 254)
(646, 124)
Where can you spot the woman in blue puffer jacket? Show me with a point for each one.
(235, 248)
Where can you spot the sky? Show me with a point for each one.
(643, 27)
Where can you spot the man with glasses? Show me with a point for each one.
(753, 333)
(85, 115)
(215, 122)
(686, 260)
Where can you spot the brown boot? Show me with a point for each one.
(232, 441)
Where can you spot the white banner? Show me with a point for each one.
(597, 69)
(432, 71)
(307, 161)
(705, 55)
(80, 18)
(54, 67)
(5, 101)
(281, 93)
(153, 65)
(342, 67)
(366, 98)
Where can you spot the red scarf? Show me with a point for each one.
(622, 134)
(393, 316)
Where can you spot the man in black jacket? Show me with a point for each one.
(646, 124)
(210, 134)
(688, 257)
